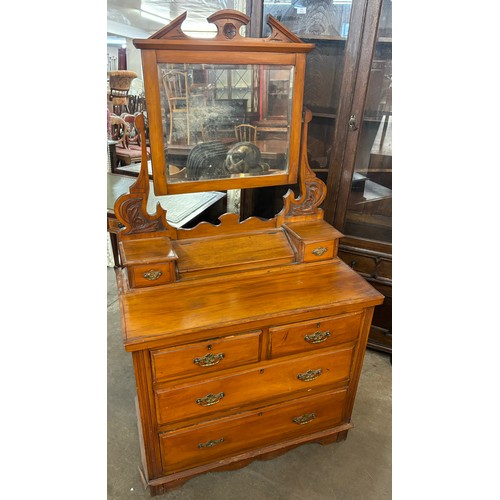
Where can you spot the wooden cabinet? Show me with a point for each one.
(348, 88)
(247, 336)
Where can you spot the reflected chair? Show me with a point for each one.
(245, 133)
(175, 84)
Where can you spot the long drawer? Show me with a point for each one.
(224, 437)
(265, 381)
(311, 335)
(203, 358)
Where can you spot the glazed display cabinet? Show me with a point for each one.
(348, 88)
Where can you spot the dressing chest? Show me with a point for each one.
(247, 337)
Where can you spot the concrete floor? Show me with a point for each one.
(358, 468)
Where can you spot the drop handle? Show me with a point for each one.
(209, 359)
(152, 274)
(310, 375)
(210, 399)
(211, 443)
(304, 419)
(317, 337)
(352, 123)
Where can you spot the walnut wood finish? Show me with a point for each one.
(254, 342)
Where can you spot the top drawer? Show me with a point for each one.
(311, 335)
(205, 357)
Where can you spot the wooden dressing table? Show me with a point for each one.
(247, 337)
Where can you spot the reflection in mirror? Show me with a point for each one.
(222, 121)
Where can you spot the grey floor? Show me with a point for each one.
(357, 468)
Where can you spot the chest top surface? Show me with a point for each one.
(249, 298)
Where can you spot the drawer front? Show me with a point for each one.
(384, 269)
(360, 263)
(151, 275)
(243, 388)
(205, 357)
(319, 251)
(312, 335)
(217, 439)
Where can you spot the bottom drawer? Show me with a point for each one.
(187, 448)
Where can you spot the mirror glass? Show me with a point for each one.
(222, 121)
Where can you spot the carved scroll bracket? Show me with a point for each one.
(131, 209)
(312, 189)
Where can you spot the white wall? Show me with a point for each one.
(134, 62)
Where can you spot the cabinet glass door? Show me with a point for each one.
(369, 210)
(326, 24)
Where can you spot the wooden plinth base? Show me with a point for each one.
(167, 483)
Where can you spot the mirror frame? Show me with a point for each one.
(172, 45)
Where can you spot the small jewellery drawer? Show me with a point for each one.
(205, 357)
(320, 251)
(310, 335)
(207, 442)
(241, 388)
(151, 274)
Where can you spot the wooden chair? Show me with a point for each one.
(245, 133)
(175, 84)
(125, 153)
(133, 136)
(118, 130)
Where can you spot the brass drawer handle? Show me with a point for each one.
(310, 375)
(317, 337)
(210, 399)
(211, 443)
(320, 251)
(209, 359)
(304, 419)
(152, 275)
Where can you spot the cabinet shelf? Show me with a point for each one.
(333, 116)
